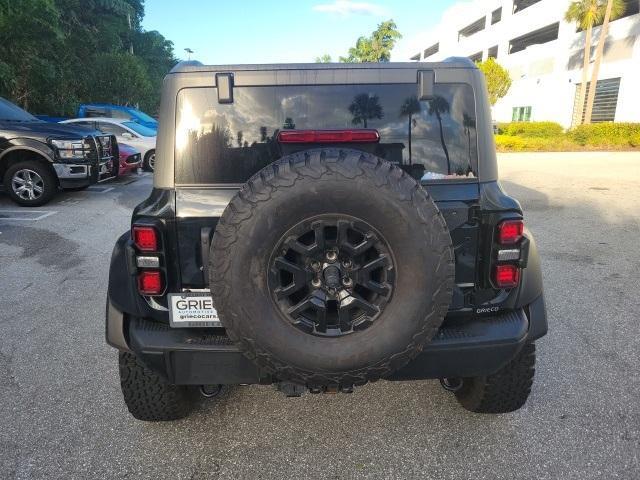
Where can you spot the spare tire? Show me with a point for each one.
(331, 268)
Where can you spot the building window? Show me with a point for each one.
(604, 104)
(476, 57)
(496, 16)
(493, 52)
(416, 57)
(537, 37)
(519, 5)
(472, 28)
(521, 114)
(432, 50)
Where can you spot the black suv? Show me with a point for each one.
(37, 157)
(318, 227)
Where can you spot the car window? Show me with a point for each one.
(141, 129)
(93, 112)
(116, 113)
(111, 128)
(227, 143)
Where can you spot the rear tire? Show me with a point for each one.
(30, 183)
(148, 396)
(505, 391)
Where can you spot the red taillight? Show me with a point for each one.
(510, 232)
(150, 282)
(145, 238)
(506, 276)
(329, 136)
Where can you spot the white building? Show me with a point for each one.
(544, 55)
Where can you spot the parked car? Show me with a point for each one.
(130, 159)
(105, 110)
(37, 157)
(317, 255)
(126, 131)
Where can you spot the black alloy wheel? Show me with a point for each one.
(332, 275)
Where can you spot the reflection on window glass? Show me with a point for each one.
(227, 143)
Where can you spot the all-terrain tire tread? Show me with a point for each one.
(148, 396)
(506, 390)
(313, 165)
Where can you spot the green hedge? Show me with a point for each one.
(549, 136)
(531, 129)
(607, 134)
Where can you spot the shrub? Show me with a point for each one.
(607, 134)
(531, 129)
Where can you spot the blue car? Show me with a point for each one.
(116, 111)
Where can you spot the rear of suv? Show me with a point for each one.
(37, 158)
(318, 227)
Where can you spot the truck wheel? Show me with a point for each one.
(504, 391)
(148, 396)
(30, 183)
(331, 267)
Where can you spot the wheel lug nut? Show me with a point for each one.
(347, 282)
(332, 256)
(316, 283)
(315, 265)
(346, 264)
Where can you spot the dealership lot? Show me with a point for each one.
(62, 415)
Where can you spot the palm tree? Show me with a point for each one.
(409, 108)
(469, 123)
(365, 107)
(437, 106)
(586, 13)
(614, 9)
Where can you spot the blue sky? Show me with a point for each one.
(254, 31)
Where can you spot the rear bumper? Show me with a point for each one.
(198, 357)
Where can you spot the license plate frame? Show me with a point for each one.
(192, 310)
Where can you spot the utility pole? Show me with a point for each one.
(189, 52)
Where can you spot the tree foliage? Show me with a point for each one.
(55, 54)
(377, 47)
(326, 58)
(497, 78)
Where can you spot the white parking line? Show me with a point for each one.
(97, 189)
(25, 215)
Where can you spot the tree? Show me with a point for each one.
(375, 48)
(497, 78)
(585, 13)
(437, 106)
(614, 9)
(365, 107)
(409, 108)
(326, 58)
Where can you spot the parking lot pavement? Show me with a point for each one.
(62, 415)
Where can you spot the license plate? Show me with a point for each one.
(192, 310)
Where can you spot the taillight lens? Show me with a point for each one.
(145, 238)
(329, 136)
(506, 276)
(150, 282)
(510, 232)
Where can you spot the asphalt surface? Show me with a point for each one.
(62, 414)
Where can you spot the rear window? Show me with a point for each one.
(228, 143)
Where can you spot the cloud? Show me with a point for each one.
(347, 7)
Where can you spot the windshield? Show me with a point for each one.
(143, 116)
(141, 129)
(13, 113)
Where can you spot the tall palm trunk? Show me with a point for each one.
(596, 66)
(444, 145)
(585, 74)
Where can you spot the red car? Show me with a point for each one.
(130, 159)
